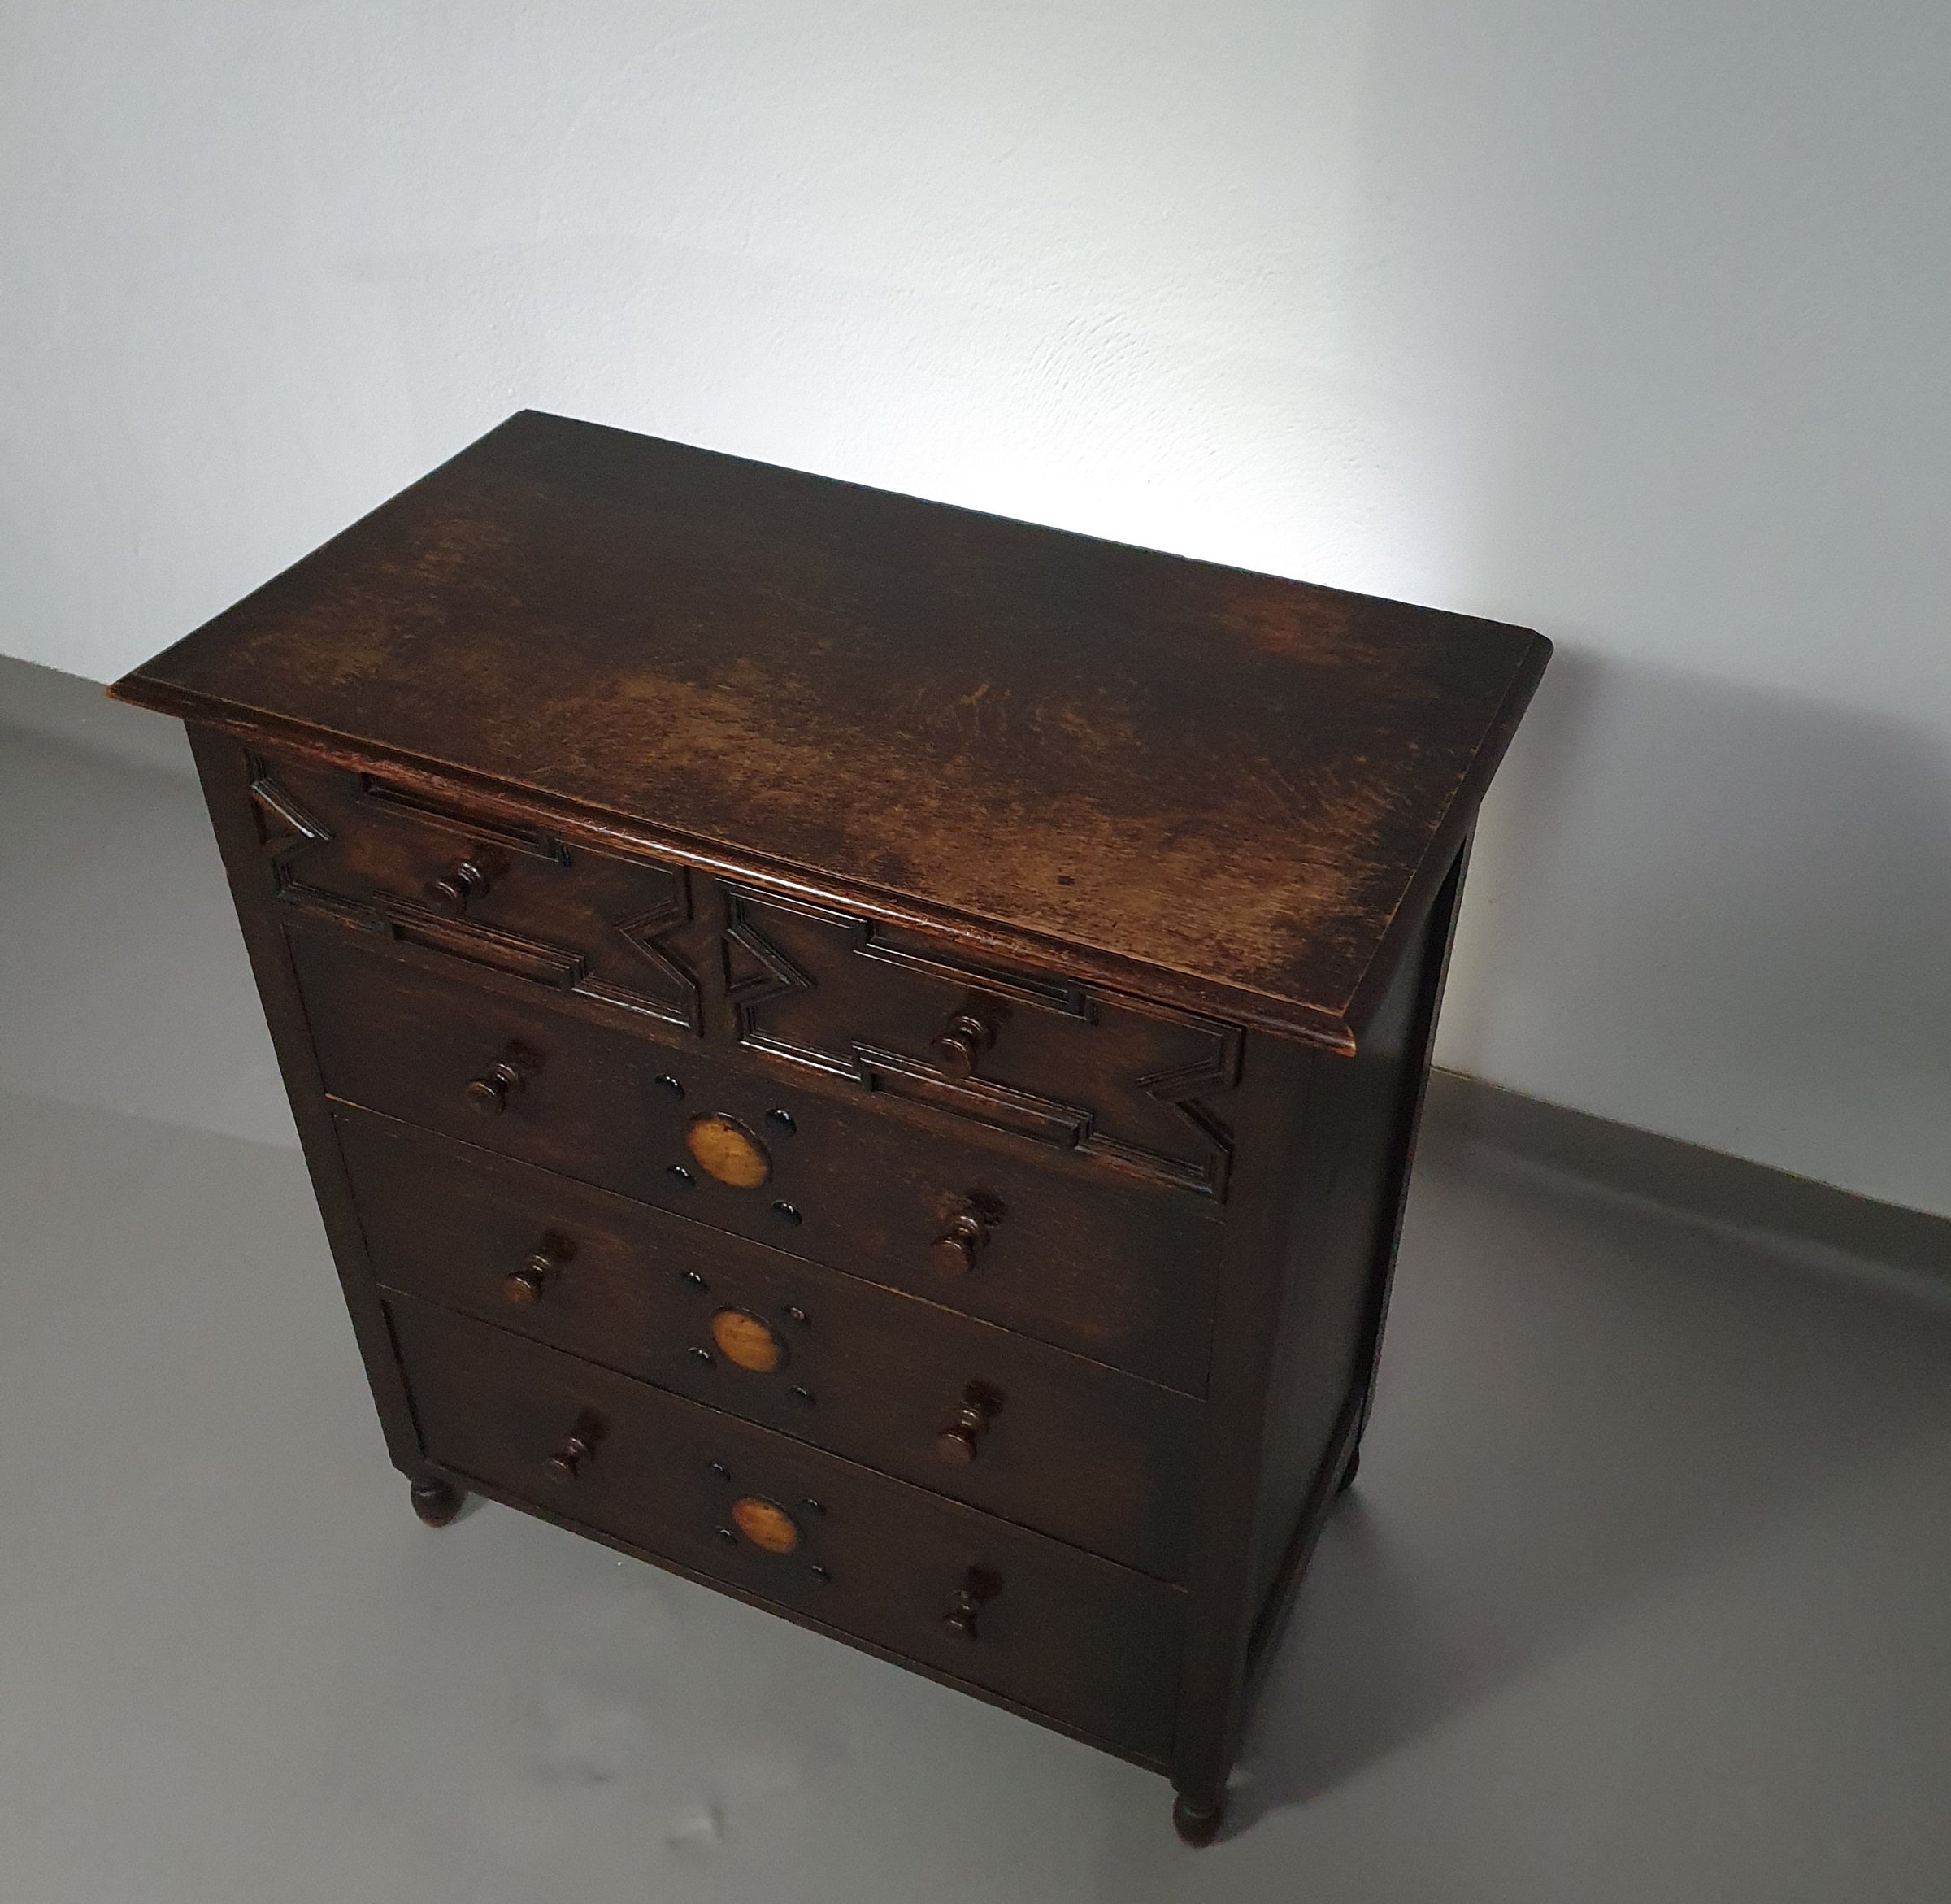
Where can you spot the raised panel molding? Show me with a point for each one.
(759, 974)
(289, 831)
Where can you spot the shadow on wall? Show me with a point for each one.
(1718, 912)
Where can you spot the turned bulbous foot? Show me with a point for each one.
(1196, 1824)
(437, 1502)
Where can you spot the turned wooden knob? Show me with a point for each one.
(963, 1039)
(960, 1442)
(978, 1585)
(464, 880)
(528, 1284)
(568, 1457)
(957, 1248)
(490, 1092)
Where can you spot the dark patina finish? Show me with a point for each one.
(867, 1053)
(1213, 785)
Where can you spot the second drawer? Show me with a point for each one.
(1085, 1259)
(1050, 1441)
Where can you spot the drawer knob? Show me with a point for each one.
(962, 1040)
(490, 1092)
(961, 1441)
(566, 1460)
(958, 1245)
(978, 1585)
(529, 1283)
(466, 880)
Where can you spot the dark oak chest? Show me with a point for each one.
(864, 1053)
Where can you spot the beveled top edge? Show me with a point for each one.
(1284, 1018)
(1256, 781)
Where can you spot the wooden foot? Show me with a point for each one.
(1196, 1824)
(437, 1502)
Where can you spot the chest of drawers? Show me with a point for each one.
(865, 1054)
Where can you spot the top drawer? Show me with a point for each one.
(475, 886)
(1138, 1087)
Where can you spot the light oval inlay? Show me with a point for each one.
(726, 1150)
(765, 1524)
(746, 1342)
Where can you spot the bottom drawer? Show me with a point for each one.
(1087, 1644)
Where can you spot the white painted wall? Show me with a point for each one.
(1629, 322)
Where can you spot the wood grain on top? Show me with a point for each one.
(1227, 789)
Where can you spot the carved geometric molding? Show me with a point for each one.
(768, 975)
(291, 833)
(1185, 1089)
(760, 974)
(284, 826)
(287, 828)
(537, 841)
(645, 935)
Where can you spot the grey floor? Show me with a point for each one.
(1645, 1593)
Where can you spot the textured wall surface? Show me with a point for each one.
(1626, 323)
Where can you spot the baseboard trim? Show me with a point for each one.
(1686, 1177)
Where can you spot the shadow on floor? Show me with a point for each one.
(1573, 1420)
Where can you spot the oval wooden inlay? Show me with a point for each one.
(765, 1525)
(725, 1149)
(743, 1339)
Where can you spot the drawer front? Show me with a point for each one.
(1090, 1645)
(1142, 1088)
(1073, 1256)
(475, 887)
(1077, 1451)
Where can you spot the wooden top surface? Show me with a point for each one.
(1222, 788)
